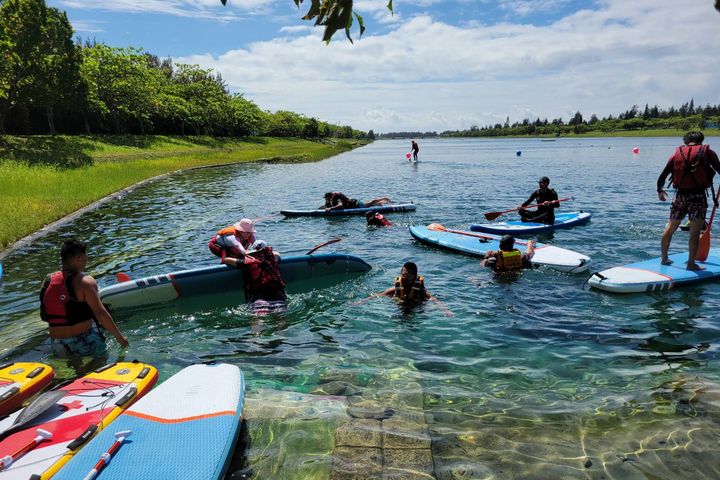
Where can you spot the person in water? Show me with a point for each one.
(414, 148)
(409, 288)
(548, 200)
(509, 258)
(339, 201)
(234, 240)
(692, 167)
(376, 219)
(70, 304)
(263, 283)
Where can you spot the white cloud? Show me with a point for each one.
(428, 75)
(296, 29)
(205, 9)
(87, 26)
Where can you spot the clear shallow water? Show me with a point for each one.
(535, 377)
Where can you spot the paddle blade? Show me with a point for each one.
(39, 406)
(703, 246)
(437, 227)
(492, 215)
(122, 277)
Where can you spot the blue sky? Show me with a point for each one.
(433, 64)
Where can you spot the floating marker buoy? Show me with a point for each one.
(407, 155)
(518, 153)
(636, 150)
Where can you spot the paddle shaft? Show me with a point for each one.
(497, 214)
(9, 459)
(469, 234)
(334, 240)
(105, 457)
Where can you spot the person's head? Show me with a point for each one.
(408, 272)
(328, 195)
(73, 253)
(245, 227)
(544, 182)
(507, 242)
(259, 245)
(694, 138)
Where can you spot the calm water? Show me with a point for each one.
(531, 378)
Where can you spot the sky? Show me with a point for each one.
(433, 65)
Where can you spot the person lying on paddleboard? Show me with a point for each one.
(234, 240)
(70, 304)
(376, 219)
(545, 213)
(409, 288)
(263, 283)
(509, 258)
(692, 168)
(338, 201)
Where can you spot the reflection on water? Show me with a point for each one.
(533, 377)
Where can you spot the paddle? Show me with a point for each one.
(703, 249)
(494, 215)
(105, 457)
(42, 435)
(40, 405)
(440, 228)
(331, 241)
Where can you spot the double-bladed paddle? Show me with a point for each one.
(494, 215)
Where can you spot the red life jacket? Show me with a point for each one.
(58, 305)
(262, 276)
(691, 170)
(379, 221)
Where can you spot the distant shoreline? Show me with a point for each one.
(708, 132)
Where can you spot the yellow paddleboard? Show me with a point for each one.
(20, 381)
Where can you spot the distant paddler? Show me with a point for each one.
(692, 167)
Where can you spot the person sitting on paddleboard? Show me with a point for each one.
(509, 258)
(414, 148)
(375, 219)
(339, 201)
(234, 240)
(545, 213)
(70, 304)
(263, 283)
(692, 167)
(409, 288)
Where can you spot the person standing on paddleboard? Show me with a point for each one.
(546, 196)
(71, 305)
(415, 149)
(692, 168)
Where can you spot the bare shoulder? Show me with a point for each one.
(88, 281)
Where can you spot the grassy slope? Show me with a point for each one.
(44, 178)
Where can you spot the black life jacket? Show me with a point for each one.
(58, 304)
(262, 276)
(691, 169)
(416, 292)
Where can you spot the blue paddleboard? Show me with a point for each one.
(184, 429)
(321, 212)
(517, 227)
(479, 244)
(650, 275)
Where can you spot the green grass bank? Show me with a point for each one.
(44, 178)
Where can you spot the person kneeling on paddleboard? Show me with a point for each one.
(234, 240)
(70, 304)
(375, 219)
(264, 286)
(508, 258)
(692, 166)
(339, 201)
(547, 199)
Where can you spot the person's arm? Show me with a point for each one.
(661, 179)
(233, 262)
(235, 245)
(554, 201)
(429, 296)
(92, 298)
(390, 292)
(713, 160)
(530, 249)
(530, 200)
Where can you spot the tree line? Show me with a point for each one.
(50, 83)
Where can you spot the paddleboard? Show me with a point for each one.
(301, 273)
(517, 227)
(89, 404)
(321, 212)
(20, 381)
(651, 276)
(479, 244)
(184, 429)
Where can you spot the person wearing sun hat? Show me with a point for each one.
(234, 240)
(548, 199)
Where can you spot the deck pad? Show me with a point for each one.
(517, 227)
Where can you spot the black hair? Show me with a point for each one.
(328, 194)
(544, 180)
(369, 215)
(411, 268)
(693, 137)
(72, 248)
(507, 241)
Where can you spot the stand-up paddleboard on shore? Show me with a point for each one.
(652, 276)
(57, 428)
(517, 227)
(301, 273)
(20, 381)
(184, 429)
(478, 245)
(321, 212)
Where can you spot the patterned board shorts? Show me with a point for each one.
(89, 344)
(694, 205)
